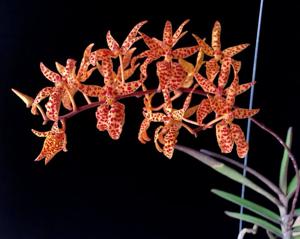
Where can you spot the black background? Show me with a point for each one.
(123, 189)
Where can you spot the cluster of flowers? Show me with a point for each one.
(117, 64)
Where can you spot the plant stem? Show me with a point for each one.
(294, 162)
(135, 94)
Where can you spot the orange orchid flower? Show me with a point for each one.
(57, 93)
(164, 48)
(229, 133)
(65, 85)
(56, 141)
(111, 113)
(165, 134)
(212, 67)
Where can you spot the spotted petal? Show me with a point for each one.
(56, 141)
(143, 136)
(113, 45)
(102, 117)
(116, 119)
(170, 140)
(177, 35)
(203, 110)
(231, 51)
(204, 46)
(205, 84)
(168, 34)
(240, 113)
(224, 74)
(44, 93)
(131, 38)
(50, 75)
(216, 37)
(53, 104)
(240, 141)
(224, 137)
(212, 69)
(184, 52)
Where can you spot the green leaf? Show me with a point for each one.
(297, 212)
(292, 186)
(296, 229)
(262, 211)
(257, 221)
(285, 162)
(227, 171)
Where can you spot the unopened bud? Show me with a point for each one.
(25, 98)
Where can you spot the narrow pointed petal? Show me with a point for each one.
(170, 140)
(240, 141)
(131, 38)
(85, 62)
(127, 73)
(199, 61)
(44, 93)
(187, 101)
(236, 65)
(184, 52)
(231, 51)
(102, 117)
(144, 66)
(157, 117)
(231, 93)
(116, 119)
(168, 34)
(66, 101)
(224, 137)
(205, 84)
(112, 44)
(224, 74)
(50, 75)
(203, 110)
(178, 32)
(240, 113)
(212, 69)
(157, 135)
(99, 55)
(204, 46)
(53, 104)
(149, 41)
(244, 87)
(216, 37)
(180, 36)
(92, 90)
(39, 133)
(107, 70)
(61, 69)
(129, 88)
(127, 57)
(70, 66)
(143, 136)
(25, 98)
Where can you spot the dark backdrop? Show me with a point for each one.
(107, 189)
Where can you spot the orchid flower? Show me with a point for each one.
(56, 141)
